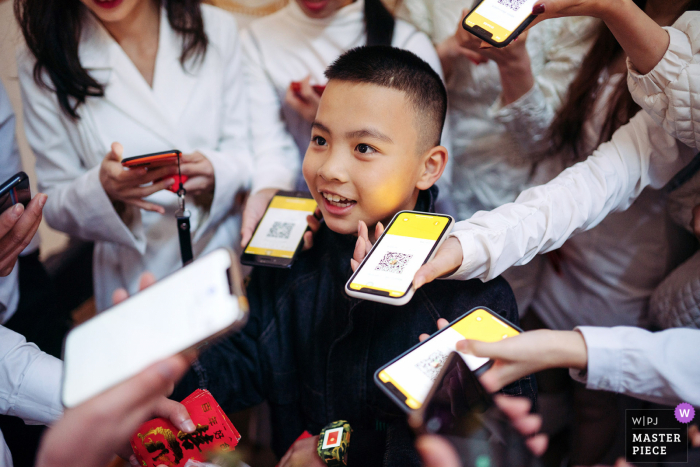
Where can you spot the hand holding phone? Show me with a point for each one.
(193, 306)
(155, 160)
(279, 237)
(408, 378)
(409, 241)
(459, 409)
(499, 22)
(132, 186)
(19, 219)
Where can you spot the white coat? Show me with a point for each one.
(203, 109)
(642, 153)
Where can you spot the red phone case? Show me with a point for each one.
(160, 159)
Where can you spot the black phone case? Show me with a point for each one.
(477, 372)
(11, 183)
(486, 38)
(249, 259)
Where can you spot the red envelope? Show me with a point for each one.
(158, 442)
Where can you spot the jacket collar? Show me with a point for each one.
(158, 108)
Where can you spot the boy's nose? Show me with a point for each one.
(333, 169)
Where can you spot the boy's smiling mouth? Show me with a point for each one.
(336, 204)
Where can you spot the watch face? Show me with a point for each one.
(332, 438)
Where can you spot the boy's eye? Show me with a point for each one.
(320, 140)
(365, 149)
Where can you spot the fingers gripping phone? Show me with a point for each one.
(408, 378)
(461, 410)
(279, 236)
(15, 190)
(498, 22)
(158, 159)
(409, 241)
(185, 310)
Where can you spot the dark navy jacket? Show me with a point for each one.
(311, 351)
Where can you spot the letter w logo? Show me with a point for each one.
(685, 413)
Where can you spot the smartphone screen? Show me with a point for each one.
(500, 17)
(461, 410)
(281, 229)
(400, 252)
(411, 376)
(180, 311)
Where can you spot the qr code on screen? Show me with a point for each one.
(281, 230)
(393, 262)
(432, 364)
(512, 4)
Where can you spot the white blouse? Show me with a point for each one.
(201, 109)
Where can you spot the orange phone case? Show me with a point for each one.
(158, 159)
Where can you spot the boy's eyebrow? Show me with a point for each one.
(369, 133)
(320, 126)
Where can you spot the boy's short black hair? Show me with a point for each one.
(402, 70)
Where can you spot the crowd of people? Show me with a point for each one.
(569, 158)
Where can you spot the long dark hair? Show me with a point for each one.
(52, 30)
(379, 23)
(567, 127)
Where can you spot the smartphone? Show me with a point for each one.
(15, 190)
(498, 22)
(409, 241)
(408, 378)
(158, 159)
(187, 309)
(279, 236)
(461, 410)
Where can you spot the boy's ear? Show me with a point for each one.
(433, 164)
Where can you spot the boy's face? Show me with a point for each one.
(322, 8)
(363, 162)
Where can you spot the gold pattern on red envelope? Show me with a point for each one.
(159, 442)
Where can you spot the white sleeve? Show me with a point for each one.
(77, 203)
(528, 119)
(656, 367)
(669, 93)
(231, 159)
(542, 218)
(276, 156)
(30, 380)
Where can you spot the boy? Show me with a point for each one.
(309, 349)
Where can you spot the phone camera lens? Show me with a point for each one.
(433, 425)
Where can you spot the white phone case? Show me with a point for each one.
(190, 307)
(406, 298)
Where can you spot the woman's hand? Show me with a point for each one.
(17, 228)
(127, 185)
(528, 353)
(305, 101)
(303, 453)
(200, 173)
(450, 50)
(364, 244)
(446, 261)
(513, 62)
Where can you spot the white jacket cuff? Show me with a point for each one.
(605, 359)
(231, 177)
(473, 255)
(39, 401)
(678, 56)
(82, 208)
